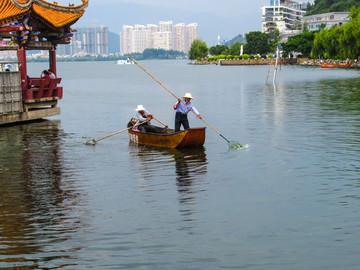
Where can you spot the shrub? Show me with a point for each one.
(257, 56)
(270, 56)
(222, 56)
(229, 57)
(236, 57)
(245, 56)
(251, 56)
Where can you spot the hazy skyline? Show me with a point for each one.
(226, 18)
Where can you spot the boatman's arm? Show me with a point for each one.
(195, 111)
(176, 105)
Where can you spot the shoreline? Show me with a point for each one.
(283, 61)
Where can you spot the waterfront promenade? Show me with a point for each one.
(282, 61)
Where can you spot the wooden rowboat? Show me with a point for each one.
(334, 66)
(279, 64)
(193, 137)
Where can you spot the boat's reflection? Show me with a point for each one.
(35, 203)
(190, 165)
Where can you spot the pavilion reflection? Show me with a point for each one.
(35, 203)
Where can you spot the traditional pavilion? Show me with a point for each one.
(32, 25)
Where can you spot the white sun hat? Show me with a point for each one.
(188, 95)
(140, 108)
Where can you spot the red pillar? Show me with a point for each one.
(22, 66)
(52, 59)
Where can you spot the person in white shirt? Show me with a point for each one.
(182, 108)
(142, 115)
(51, 74)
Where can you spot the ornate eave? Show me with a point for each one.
(55, 15)
(32, 23)
(23, 4)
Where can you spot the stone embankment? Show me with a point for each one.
(282, 61)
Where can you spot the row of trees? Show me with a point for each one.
(325, 6)
(256, 43)
(149, 54)
(338, 42)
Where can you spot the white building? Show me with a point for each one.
(191, 35)
(314, 22)
(166, 26)
(125, 39)
(135, 39)
(284, 15)
(151, 29)
(179, 37)
(138, 39)
(162, 40)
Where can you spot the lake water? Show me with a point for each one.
(290, 200)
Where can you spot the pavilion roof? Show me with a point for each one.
(54, 15)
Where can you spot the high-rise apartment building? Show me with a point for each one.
(165, 26)
(87, 40)
(163, 36)
(162, 40)
(151, 30)
(138, 39)
(191, 35)
(125, 39)
(179, 37)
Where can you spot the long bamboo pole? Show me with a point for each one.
(177, 98)
(93, 141)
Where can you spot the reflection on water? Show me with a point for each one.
(189, 164)
(296, 188)
(35, 202)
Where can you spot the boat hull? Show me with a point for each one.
(334, 66)
(193, 137)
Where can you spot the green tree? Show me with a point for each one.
(302, 43)
(198, 49)
(257, 42)
(218, 49)
(235, 49)
(325, 6)
(275, 40)
(305, 27)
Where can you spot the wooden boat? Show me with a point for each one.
(193, 137)
(334, 66)
(279, 64)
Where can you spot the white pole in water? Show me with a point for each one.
(276, 62)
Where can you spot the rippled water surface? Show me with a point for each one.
(289, 201)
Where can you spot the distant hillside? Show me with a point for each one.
(114, 43)
(325, 6)
(239, 38)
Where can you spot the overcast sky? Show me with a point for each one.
(225, 18)
(219, 7)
